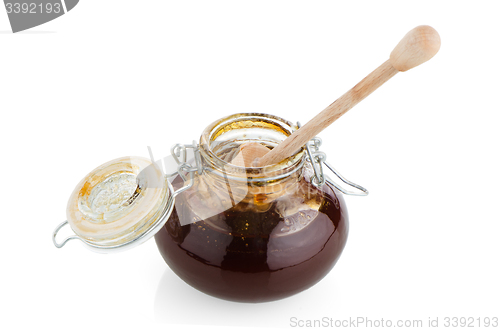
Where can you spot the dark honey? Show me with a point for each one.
(248, 256)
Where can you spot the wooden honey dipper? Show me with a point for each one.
(417, 46)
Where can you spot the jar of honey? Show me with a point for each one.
(248, 234)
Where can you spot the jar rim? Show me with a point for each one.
(237, 121)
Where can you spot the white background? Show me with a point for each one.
(112, 77)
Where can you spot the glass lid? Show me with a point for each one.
(121, 202)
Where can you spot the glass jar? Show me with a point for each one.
(253, 234)
(249, 234)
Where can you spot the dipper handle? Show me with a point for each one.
(418, 46)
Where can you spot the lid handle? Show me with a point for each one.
(59, 227)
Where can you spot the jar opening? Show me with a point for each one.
(221, 140)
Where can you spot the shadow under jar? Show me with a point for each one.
(253, 234)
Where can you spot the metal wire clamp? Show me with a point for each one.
(317, 159)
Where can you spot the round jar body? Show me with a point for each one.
(276, 237)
